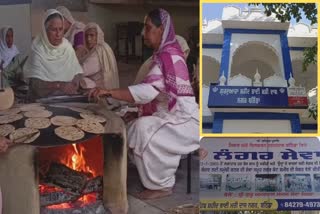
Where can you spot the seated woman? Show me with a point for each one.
(73, 31)
(12, 60)
(52, 67)
(145, 67)
(99, 65)
(158, 137)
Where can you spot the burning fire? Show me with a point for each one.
(76, 161)
(83, 201)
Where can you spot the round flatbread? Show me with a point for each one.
(90, 126)
(69, 133)
(10, 111)
(32, 107)
(80, 110)
(37, 123)
(93, 117)
(6, 129)
(10, 118)
(63, 121)
(30, 134)
(38, 113)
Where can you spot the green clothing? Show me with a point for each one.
(13, 72)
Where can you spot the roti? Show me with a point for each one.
(38, 113)
(17, 135)
(6, 129)
(80, 110)
(10, 111)
(69, 133)
(90, 126)
(32, 107)
(37, 123)
(63, 121)
(93, 117)
(10, 118)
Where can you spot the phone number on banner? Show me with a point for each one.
(298, 204)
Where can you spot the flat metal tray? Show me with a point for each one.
(47, 136)
(64, 99)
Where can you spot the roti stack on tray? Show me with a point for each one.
(37, 117)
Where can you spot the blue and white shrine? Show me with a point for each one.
(252, 76)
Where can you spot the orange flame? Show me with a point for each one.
(76, 161)
(84, 200)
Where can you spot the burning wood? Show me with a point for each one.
(93, 185)
(68, 179)
(56, 198)
(96, 208)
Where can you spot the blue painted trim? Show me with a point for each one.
(212, 46)
(254, 31)
(206, 125)
(225, 55)
(297, 48)
(286, 55)
(309, 126)
(219, 117)
(11, 2)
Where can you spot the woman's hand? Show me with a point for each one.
(69, 88)
(4, 144)
(130, 116)
(77, 79)
(97, 93)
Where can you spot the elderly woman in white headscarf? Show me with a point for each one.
(73, 31)
(11, 61)
(145, 67)
(52, 67)
(99, 65)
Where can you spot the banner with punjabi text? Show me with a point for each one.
(260, 174)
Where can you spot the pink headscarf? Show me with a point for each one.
(163, 58)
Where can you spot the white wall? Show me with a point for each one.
(18, 17)
(256, 126)
(214, 53)
(273, 40)
(108, 15)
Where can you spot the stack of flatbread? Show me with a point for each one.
(10, 111)
(24, 135)
(4, 119)
(6, 129)
(38, 117)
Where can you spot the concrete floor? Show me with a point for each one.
(167, 204)
(127, 73)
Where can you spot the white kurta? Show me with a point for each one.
(158, 141)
